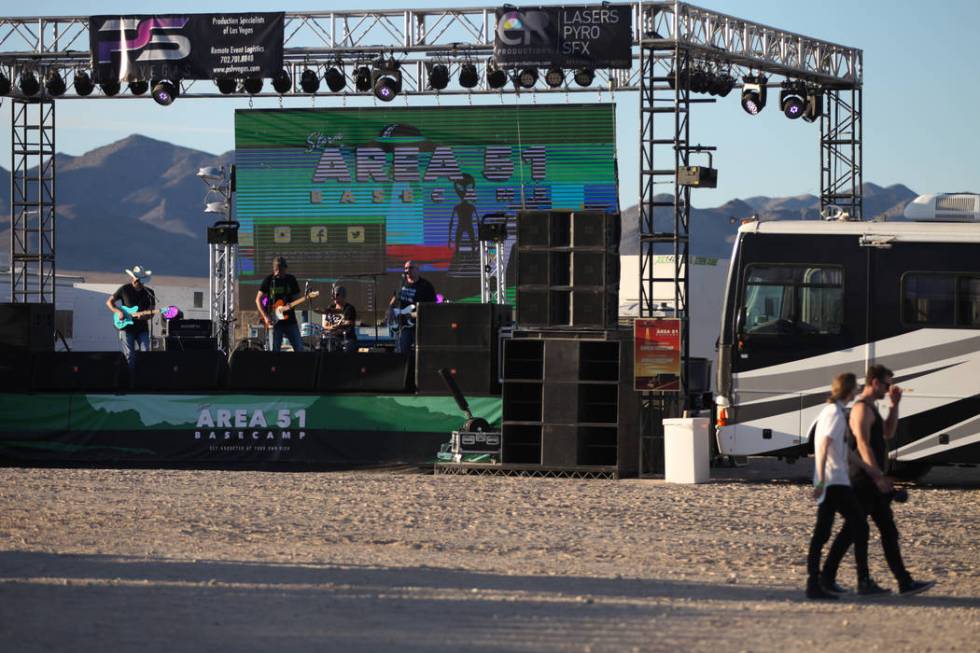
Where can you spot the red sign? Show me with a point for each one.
(657, 354)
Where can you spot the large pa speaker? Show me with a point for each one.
(195, 343)
(590, 307)
(27, 326)
(460, 325)
(385, 372)
(180, 371)
(80, 371)
(578, 229)
(15, 369)
(473, 368)
(270, 371)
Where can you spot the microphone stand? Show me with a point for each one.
(374, 282)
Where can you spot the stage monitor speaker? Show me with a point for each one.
(270, 371)
(80, 371)
(363, 372)
(194, 343)
(474, 369)
(460, 325)
(15, 370)
(27, 326)
(180, 371)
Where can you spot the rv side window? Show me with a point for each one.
(941, 299)
(793, 299)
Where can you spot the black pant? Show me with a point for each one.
(877, 506)
(839, 499)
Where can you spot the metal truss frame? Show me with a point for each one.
(32, 202)
(223, 290)
(841, 169)
(525, 471)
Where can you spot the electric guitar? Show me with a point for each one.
(281, 309)
(395, 314)
(133, 313)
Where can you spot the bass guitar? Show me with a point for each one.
(133, 313)
(395, 315)
(281, 309)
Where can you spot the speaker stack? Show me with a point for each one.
(464, 339)
(27, 326)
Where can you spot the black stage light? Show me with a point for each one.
(83, 83)
(555, 77)
(165, 92)
(584, 76)
(282, 82)
(28, 83)
(754, 94)
(253, 85)
(439, 77)
(139, 87)
(814, 104)
(362, 79)
(528, 77)
(54, 83)
(385, 89)
(700, 81)
(226, 85)
(496, 76)
(678, 78)
(386, 79)
(721, 85)
(309, 81)
(792, 100)
(468, 76)
(4, 85)
(335, 79)
(110, 89)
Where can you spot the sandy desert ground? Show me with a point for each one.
(170, 560)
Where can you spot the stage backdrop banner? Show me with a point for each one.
(599, 36)
(186, 46)
(345, 194)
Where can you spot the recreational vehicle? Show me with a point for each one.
(807, 300)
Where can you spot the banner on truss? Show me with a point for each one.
(598, 36)
(187, 46)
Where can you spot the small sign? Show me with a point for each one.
(318, 234)
(657, 354)
(355, 234)
(282, 234)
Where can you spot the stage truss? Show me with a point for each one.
(665, 36)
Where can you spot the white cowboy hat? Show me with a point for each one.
(138, 272)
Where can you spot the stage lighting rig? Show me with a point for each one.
(555, 77)
(362, 79)
(83, 83)
(253, 85)
(28, 83)
(754, 93)
(226, 85)
(496, 76)
(111, 88)
(439, 77)
(54, 84)
(584, 77)
(792, 99)
(336, 81)
(165, 92)
(386, 79)
(700, 81)
(4, 85)
(814, 104)
(468, 75)
(528, 77)
(282, 82)
(309, 81)
(139, 87)
(721, 84)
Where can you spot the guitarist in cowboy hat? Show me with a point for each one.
(135, 294)
(279, 287)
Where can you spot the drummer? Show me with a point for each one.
(340, 321)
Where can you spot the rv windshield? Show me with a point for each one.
(793, 299)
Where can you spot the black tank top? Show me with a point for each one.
(878, 448)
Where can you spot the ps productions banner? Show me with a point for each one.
(657, 354)
(346, 194)
(567, 37)
(186, 46)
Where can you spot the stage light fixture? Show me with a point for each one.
(814, 104)
(226, 85)
(439, 77)
(335, 79)
(528, 77)
(309, 81)
(28, 83)
(253, 85)
(362, 79)
(721, 85)
(4, 85)
(496, 76)
(677, 79)
(83, 83)
(165, 92)
(754, 94)
(139, 87)
(282, 82)
(555, 77)
(110, 89)
(700, 81)
(54, 83)
(386, 79)
(468, 75)
(792, 100)
(584, 77)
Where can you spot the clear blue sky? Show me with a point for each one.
(920, 73)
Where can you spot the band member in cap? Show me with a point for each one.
(340, 320)
(413, 292)
(280, 288)
(135, 294)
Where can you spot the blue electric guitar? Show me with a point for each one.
(133, 313)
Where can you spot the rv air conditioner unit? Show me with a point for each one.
(945, 207)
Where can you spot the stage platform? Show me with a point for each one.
(230, 429)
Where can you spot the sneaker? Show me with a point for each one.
(832, 586)
(868, 587)
(814, 591)
(915, 587)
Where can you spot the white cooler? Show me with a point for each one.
(686, 451)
